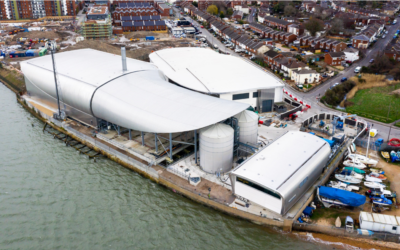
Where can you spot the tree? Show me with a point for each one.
(212, 9)
(395, 72)
(362, 3)
(221, 14)
(279, 7)
(314, 25)
(381, 63)
(289, 10)
(195, 4)
(221, 7)
(229, 12)
(337, 26)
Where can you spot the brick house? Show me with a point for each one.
(335, 58)
(393, 51)
(237, 15)
(270, 57)
(360, 41)
(276, 22)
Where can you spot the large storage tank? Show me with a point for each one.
(248, 123)
(216, 148)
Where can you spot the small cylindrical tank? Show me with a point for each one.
(216, 148)
(248, 124)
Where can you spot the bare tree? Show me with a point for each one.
(336, 26)
(290, 10)
(314, 25)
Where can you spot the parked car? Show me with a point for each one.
(252, 57)
(386, 32)
(357, 70)
(384, 36)
(202, 26)
(343, 79)
(349, 62)
(371, 61)
(334, 85)
(238, 50)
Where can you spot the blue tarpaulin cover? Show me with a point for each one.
(328, 141)
(308, 211)
(349, 198)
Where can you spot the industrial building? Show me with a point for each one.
(277, 176)
(138, 98)
(223, 76)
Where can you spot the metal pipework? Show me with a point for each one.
(123, 55)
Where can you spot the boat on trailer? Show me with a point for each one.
(343, 186)
(338, 197)
(347, 179)
(354, 164)
(363, 159)
(372, 184)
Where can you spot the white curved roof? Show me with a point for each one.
(207, 71)
(140, 99)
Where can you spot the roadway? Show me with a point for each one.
(311, 97)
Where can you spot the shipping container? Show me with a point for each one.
(149, 38)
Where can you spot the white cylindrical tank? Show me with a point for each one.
(216, 148)
(248, 123)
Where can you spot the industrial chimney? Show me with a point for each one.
(123, 55)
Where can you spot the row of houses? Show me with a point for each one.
(265, 32)
(357, 10)
(152, 25)
(321, 43)
(291, 68)
(236, 36)
(367, 36)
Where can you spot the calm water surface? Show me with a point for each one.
(53, 198)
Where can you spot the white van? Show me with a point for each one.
(357, 70)
(215, 46)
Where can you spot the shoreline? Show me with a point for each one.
(209, 202)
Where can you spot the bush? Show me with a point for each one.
(335, 95)
(360, 80)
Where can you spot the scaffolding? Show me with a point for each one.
(99, 29)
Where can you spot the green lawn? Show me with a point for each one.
(374, 104)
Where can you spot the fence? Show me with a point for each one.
(331, 230)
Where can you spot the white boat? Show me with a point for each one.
(343, 186)
(373, 179)
(363, 159)
(354, 164)
(374, 170)
(372, 184)
(347, 178)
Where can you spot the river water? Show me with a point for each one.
(53, 198)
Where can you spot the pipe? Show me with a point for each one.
(195, 145)
(123, 55)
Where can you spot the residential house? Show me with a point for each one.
(243, 8)
(237, 15)
(360, 41)
(305, 76)
(393, 51)
(334, 58)
(296, 29)
(294, 65)
(351, 54)
(271, 56)
(276, 22)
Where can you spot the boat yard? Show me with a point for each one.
(202, 159)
